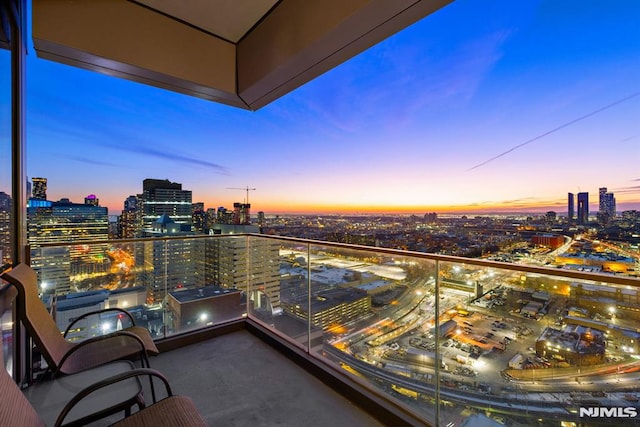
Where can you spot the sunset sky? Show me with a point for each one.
(481, 106)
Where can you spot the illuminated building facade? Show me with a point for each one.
(254, 268)
(5, 228)
(332, 307)
(198, 218)
(92, 200)
(64, 222)
(129, 219)
(39, 188)
(162, 197)
(607, 205)
(241, 213)
(187, 266)
(549, 240)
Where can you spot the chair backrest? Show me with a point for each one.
(15, 409)
(35, 317)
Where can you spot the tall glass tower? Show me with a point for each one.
(583, 208)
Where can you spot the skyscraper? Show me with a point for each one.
(162, 197)
(241, 213)
(39, 188)
(5, 228)
(128, 221)
(65, 222)
(607, 205)
(184, 271)
(571, 207)
(250, 265)
(583, 208)
(198, 218)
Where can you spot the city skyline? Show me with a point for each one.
(594, 207)
(475, 109)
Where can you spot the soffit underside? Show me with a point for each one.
(245, 56)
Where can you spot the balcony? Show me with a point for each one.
(515, 343)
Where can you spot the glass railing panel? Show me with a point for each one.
(170, 286)
(280, 287)
(514, 343)
(527, 346)
(374, 312)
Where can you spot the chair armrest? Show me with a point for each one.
(109, 381)
(98, 312)
(90, 341)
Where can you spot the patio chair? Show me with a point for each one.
(98, 400)
(62, 356)
(51, 397)
(171, 411)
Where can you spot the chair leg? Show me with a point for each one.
(144, 358)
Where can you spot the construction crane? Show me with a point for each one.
(247, 189)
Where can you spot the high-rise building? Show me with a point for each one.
(607, 205)
(261, 219)
(162, 197)
(198, 218)
(129, 219)
(241, 213)
(250, 265)
(186, 270)
(39, 188)
(5, 229)
(583, 208)
(92, 200)
(210, 219)
(224, 216)
(571, 207)
(65, 222)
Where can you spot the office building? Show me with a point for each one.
(186, 269)
(39, 188)
(198, 218)
(241, 213)
(5, 228)
(65, 222)
(583, 208)
(253, 268)
(129, 221)
(162, 197)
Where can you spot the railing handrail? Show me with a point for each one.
(549, 271)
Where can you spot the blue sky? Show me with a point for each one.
(549, 90)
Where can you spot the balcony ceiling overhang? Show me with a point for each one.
(244, 53)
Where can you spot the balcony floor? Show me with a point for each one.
(239, 380)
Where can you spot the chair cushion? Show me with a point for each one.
(174, 411)
(114, 347)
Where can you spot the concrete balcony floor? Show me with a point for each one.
(237, 379)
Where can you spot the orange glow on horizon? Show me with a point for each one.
(294, 208)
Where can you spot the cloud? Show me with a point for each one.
(170, 155)
(92, 161)
(628, 190)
